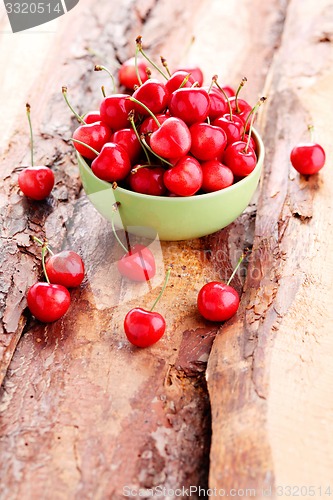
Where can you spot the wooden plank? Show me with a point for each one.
(269, 376)
(82, 413)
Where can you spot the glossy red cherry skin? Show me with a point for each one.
(172, 139)
(176, 80)
(94, 135)
(65, 268)
(138, 264)
(112, 164)
(153, 94)
(126, 138)
(218, 104)
(185, 178)
(190, 104)
(143, 328)
(196, 73)
(207, 141)
(217, 301)
(36, 182)
(232, 127)
(147, 180)
(240, 160)
(244, 109)
(127, 73)
(114, 111)
(308, 158)
(92, 117)
(216, 176)
(229, 90)
(48, 302)
(148, 126)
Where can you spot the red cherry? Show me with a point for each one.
(144, 328)
(242, 109)
(147, 180)
(185, 178)
(190, 104)
(92, 117)
(195, 71)
(65, 268)
(114, 111)
(233, 127)
(252, 142)
(112, 164)
(172, 139)
(218, 104)
(152, 94)
(48, 302)
(240, 159)
(229, 90)
(216, 176)
(176, 80)
(217, 301)
(127, 73)
(149, 125)
(127, 138)
(36, 182)
(94, 135)
(207, 141)
(308, 158)
(138, 264)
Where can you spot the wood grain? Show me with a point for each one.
(82, 413)
(275, 353)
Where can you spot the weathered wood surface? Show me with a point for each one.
(82, 413)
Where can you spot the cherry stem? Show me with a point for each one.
(136, 66)
(28, 108)
(163, 288)
(253, 112)
(312, 134)
(153, 152)
(114, 210)
(165, 65)
(103, 90)
(147, 109)
(214, 79)
(78, 117)
(103, 68)
(44, 252)
(86, 145)
(184, 82)
(236, 268)
(131, 120)
(43, 243)
(140, 49)
(240, 86)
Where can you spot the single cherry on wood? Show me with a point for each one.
(138, 262)
(36, 182)
(63, 268)
(144, 328)
(308, 157)
(219, 301)
(48, 302)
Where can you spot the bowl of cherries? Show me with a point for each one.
(180, 159)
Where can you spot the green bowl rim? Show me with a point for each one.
(183, 199)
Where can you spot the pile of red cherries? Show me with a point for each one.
(173, 137)
(176, 137)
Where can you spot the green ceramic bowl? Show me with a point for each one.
(172, 219)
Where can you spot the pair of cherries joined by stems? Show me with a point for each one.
(49, 301)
